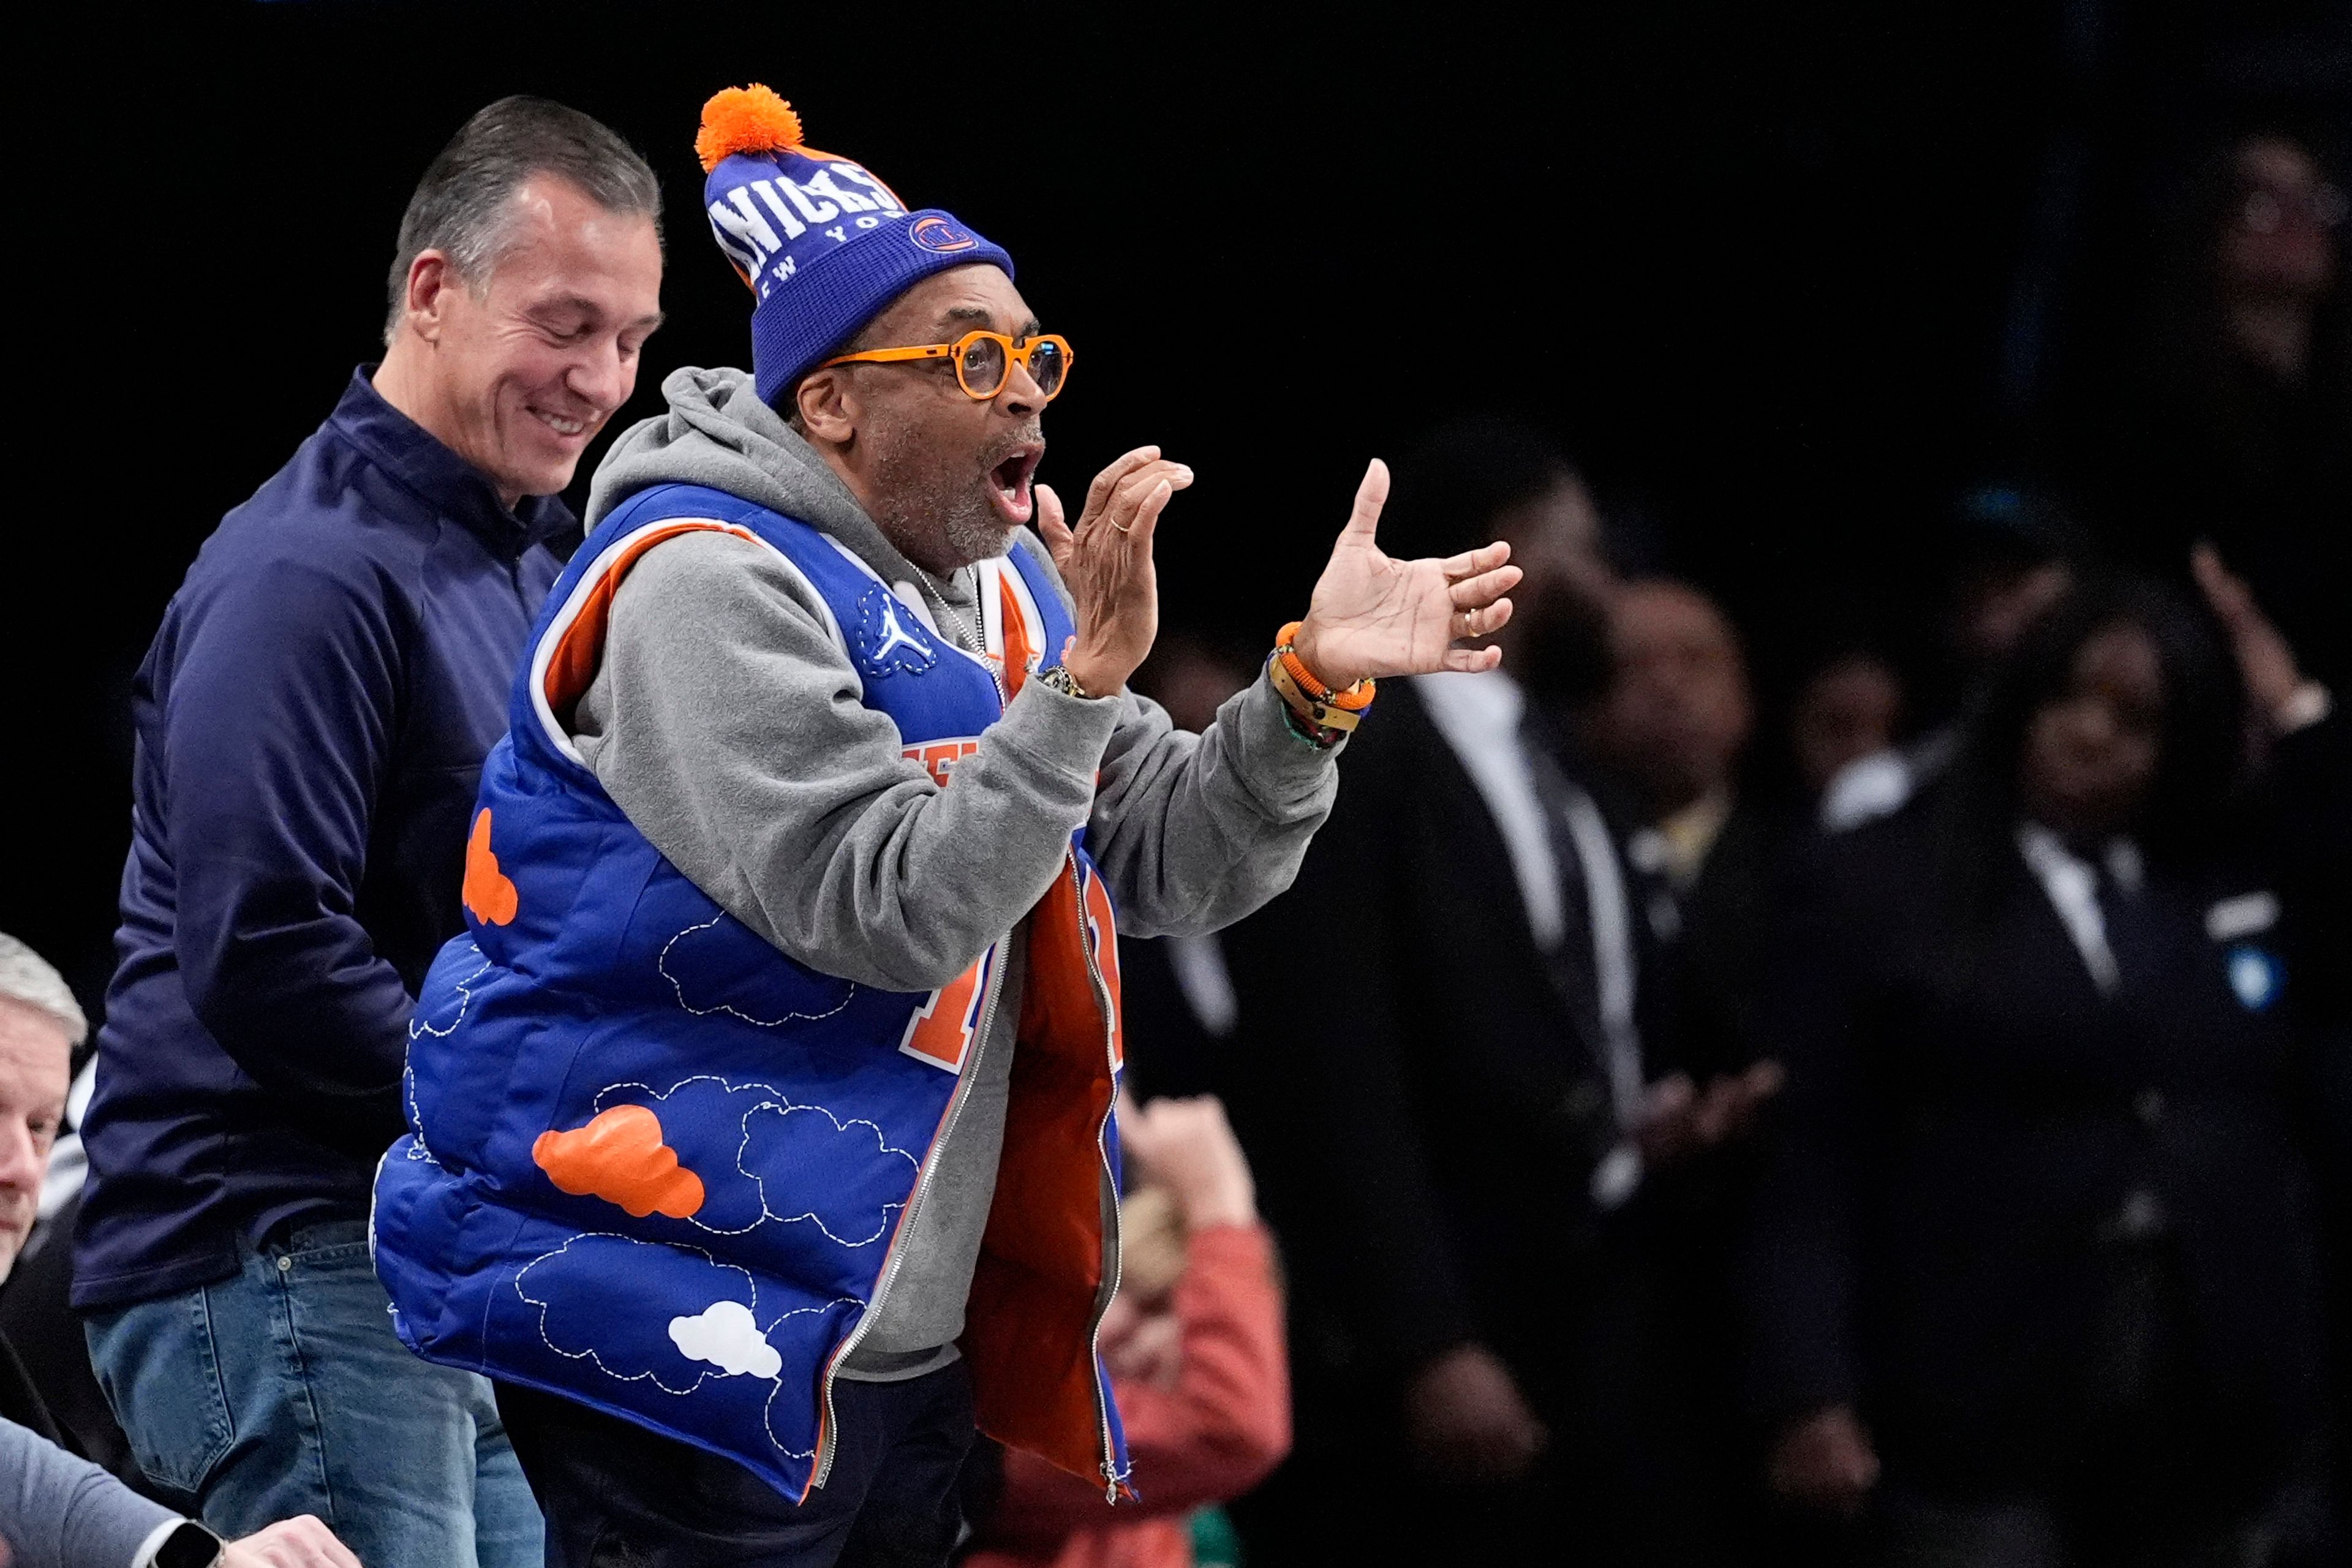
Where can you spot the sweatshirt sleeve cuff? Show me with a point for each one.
(1269, 751)
(1064, 732)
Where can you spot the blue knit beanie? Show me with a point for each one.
(824, 244)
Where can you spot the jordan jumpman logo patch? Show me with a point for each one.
(890, 640)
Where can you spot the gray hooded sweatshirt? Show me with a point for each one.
(729, 727)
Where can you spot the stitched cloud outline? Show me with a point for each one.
(462, 991)
(578, 1320)
(837, 1175)
(721, 967)
(704, 1118)
(677, 1352)
(778, 1153)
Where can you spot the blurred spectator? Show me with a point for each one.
(1675, 719)
(2033, 1269)
(1672, 728)
(40, 1024)
(2012, 554)
(1460, 1193)
(58, 1511)
(312, 717)
(1706, 856)
(2305, 743)
(1193, 1344)
(36, 1315)
(1849, 708)
(2235, 425)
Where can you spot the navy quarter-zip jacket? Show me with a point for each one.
(311, 720)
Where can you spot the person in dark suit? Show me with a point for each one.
(1672, 730)
(2033, 1267)
(1453, 1125)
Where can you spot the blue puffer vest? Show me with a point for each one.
(655, 1165)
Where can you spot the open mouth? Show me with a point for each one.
(1008, 484)
(567, 428)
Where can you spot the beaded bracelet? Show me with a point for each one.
(1354, 698)
(1323, 717)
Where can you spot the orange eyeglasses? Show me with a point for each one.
(983, 362)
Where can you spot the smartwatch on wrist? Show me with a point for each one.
(190, 1545)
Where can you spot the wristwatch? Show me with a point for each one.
(1060, 679)
(190, 1545)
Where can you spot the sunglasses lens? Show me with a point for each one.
(1048, 365)
(981, 367)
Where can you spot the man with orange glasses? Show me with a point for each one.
(759, 1131)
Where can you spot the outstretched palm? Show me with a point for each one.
(1374, 616)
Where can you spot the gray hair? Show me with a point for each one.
(460, 208)
(26, 976)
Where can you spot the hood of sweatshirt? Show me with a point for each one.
(718, 432)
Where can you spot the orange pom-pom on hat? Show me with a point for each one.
(745, 120)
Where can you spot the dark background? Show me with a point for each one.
(1782, 277)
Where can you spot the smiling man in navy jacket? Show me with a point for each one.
(311, 720)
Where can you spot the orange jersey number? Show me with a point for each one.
(941, 1031)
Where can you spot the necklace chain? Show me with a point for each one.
(971, 636)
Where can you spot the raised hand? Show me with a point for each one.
(2266, 664)
(1106, 562)
(1188, 1147)
(1374, 616)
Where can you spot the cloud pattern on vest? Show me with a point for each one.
(621, 1158)
(720, 968)
(487, 891)
(726, 1335)
(764, 1161)
(577, 1286)
(793, 1150)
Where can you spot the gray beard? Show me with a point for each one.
(946, 518)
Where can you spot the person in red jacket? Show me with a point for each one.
(1194, 1344)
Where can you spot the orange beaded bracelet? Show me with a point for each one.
(1326, 718)
(1353, 700)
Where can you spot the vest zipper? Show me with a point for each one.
(1111, 1475)
(907, 1227)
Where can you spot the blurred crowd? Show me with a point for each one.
(1900, 1114)
(1901, 1111)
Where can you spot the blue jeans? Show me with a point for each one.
(283, 1391)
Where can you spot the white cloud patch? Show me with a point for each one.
(726, 1335)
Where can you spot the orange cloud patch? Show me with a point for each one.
(621, 1158)
(489, 892)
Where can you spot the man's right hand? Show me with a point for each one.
(1467, 1419)
(1106, 563)
(1825, 1461)
(301, 1542)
